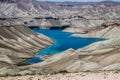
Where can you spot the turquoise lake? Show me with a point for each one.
(62, 41)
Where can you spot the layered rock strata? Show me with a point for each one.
(18, 43)
(29, 8)
(107, 30)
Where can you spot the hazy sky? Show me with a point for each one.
(77, 0)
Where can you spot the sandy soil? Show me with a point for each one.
(70, 76)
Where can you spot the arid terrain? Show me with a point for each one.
(19, 43)
(70, 76)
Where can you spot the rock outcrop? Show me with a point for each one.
(107, 30)
(81, 24)
(46, 23)
(18, 43)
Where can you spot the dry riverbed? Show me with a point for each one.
(69, 76)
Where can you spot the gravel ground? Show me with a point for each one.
(70, 76)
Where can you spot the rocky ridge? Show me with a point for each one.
(102, 32)
(32, 8)
(78, 15)
(17, 44)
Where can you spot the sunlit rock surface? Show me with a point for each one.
(18, 43)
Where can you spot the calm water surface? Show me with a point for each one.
(62, 41)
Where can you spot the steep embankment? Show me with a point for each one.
(81, 24)
(107, 30)
(18, 43)
(102, 55)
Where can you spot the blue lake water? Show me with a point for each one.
(62, 41)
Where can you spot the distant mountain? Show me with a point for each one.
(31, 8)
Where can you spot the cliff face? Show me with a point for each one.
(18, 43)
(81, 25)
(104, 31)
